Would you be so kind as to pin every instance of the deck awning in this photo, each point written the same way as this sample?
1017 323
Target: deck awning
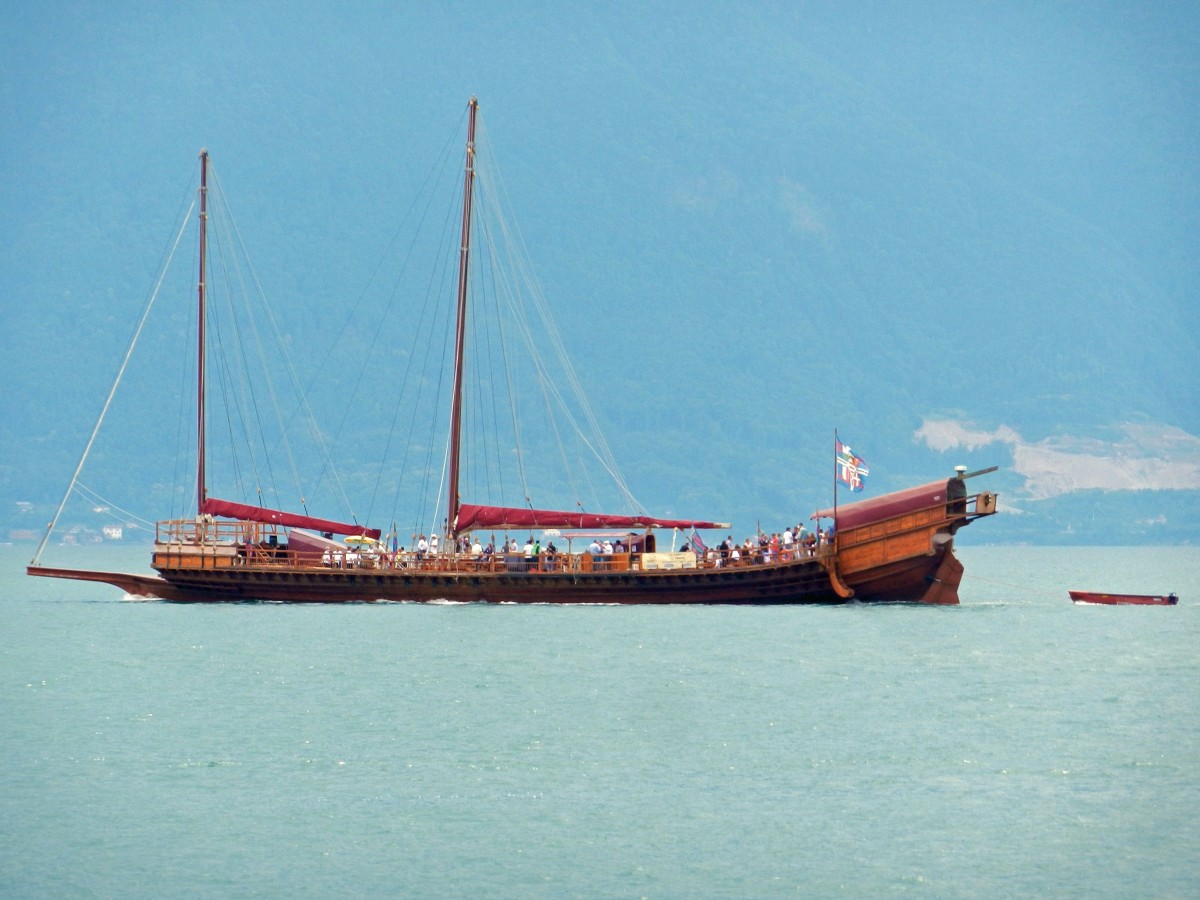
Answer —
472 517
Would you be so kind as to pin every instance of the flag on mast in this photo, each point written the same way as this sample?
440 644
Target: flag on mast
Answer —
851 469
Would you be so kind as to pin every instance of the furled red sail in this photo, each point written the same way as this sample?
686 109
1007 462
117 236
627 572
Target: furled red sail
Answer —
472 517
245 512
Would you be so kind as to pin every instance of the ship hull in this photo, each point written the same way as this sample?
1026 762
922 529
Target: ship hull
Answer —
931 579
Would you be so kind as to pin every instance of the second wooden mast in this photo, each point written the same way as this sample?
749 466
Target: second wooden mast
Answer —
464 257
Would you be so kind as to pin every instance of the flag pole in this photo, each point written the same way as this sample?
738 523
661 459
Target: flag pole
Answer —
835 481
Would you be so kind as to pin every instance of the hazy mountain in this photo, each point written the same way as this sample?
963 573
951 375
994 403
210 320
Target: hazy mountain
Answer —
957 235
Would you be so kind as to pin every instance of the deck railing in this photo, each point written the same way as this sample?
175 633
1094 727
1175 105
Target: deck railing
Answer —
185 543
207 543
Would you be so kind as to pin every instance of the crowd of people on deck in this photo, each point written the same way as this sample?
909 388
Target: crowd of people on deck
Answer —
783 546
427 549
780 546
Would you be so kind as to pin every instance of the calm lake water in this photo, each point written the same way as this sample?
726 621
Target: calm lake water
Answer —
1017 745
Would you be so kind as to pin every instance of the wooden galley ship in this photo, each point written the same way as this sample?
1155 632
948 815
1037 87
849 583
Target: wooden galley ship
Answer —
898 547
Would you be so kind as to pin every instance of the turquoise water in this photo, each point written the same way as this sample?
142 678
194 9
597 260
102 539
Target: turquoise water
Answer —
1015 745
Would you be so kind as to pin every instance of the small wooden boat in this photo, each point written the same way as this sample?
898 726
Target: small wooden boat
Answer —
1123 599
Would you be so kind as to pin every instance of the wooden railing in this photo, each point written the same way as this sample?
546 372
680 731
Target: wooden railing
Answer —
206 543
184 545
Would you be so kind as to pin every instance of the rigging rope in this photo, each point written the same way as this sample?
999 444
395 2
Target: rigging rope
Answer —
222 205
92 497
493 195
113 390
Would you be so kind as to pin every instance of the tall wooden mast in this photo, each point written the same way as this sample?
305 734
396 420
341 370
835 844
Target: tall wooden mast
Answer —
201 488
464 255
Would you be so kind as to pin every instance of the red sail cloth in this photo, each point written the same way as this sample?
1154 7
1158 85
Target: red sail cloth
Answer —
244 511
472 517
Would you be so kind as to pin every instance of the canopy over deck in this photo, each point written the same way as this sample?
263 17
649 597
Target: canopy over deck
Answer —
472 517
